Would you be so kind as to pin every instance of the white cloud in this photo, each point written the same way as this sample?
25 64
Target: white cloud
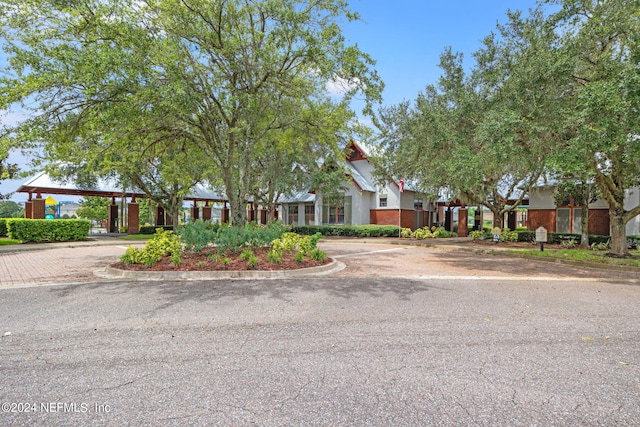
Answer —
11 118
339 86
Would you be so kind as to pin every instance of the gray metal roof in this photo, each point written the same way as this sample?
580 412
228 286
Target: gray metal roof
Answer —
301 196
44 184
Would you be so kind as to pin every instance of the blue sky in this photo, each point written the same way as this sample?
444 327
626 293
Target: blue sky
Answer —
406 38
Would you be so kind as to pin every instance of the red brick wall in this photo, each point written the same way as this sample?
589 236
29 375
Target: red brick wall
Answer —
542 217
463 219
390 217
599 222
133 218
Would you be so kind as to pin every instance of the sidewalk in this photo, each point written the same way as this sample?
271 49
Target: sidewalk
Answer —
54 263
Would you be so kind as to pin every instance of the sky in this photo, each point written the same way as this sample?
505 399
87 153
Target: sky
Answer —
405 38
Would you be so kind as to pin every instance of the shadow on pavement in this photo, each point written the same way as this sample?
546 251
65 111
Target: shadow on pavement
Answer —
178 292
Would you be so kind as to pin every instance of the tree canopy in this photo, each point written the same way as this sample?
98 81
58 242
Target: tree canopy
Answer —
224 82
484 135
602 40
554 93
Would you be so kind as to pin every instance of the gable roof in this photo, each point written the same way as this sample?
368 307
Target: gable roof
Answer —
359 179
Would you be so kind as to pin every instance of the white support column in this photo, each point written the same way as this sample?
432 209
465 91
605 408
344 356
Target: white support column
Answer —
318 210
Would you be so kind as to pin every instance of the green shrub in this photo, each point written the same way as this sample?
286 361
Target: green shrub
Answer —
558 238
476 234
176 258
507 235
47 230
197 235
163 243
274 256
370 230
251 235
151 229
601 246
432 233
527 236
3 227
305 246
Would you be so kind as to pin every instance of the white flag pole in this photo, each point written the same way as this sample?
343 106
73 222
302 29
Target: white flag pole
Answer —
401 188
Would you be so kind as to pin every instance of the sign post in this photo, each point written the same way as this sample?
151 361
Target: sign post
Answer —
541 237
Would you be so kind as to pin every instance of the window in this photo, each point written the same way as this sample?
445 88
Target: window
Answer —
383 201
563 221
568 220
577 221
293 215
309 214
339 213
417 204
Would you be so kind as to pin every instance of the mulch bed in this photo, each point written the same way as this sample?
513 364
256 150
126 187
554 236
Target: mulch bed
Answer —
203 261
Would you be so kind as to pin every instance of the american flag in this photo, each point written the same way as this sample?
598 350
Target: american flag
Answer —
401 185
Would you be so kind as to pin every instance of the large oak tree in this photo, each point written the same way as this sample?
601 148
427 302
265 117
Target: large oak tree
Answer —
602 39
482 135
217 78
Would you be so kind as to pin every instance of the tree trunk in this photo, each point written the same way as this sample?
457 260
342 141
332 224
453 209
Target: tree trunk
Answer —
618 233
584 240
238 212
498 220
272 213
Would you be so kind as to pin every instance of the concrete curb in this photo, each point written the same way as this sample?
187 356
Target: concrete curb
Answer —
115 273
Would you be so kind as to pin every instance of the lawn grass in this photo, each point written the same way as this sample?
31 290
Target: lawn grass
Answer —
584 255
136 237
7 241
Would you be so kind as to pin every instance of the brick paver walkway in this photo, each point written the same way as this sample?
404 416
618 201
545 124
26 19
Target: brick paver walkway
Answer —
375 259
52 266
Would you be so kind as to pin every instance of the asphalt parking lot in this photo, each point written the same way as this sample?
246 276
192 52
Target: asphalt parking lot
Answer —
400 336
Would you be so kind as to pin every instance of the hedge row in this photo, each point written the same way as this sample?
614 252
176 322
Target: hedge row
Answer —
348 230
530 236
3 227
51 230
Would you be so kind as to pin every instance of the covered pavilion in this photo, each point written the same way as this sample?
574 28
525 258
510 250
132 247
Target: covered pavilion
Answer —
43 184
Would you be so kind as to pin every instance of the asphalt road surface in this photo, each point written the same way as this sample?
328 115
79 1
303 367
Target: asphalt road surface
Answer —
401 336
